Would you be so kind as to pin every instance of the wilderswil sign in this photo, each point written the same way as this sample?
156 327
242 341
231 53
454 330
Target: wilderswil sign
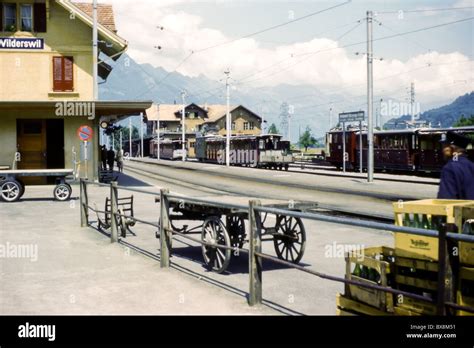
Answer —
11 43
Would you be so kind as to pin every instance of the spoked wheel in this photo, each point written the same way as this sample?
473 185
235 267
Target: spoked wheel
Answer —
236 227
290 238
62 192
214 232
11 190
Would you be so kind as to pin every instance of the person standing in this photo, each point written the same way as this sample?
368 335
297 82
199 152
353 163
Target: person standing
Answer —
103 157
119 160
111 159
457 176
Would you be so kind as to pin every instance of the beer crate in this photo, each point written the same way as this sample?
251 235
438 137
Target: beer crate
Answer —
421 274
378 261
465 294
411 306
466 250
348 306
429 214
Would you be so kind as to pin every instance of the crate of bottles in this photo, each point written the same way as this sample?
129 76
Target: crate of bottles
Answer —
409 306
427 214
465 294
420 274
372 266
466 250
347 306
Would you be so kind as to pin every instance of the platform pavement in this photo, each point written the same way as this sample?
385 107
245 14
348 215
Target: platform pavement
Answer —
78 270
387 189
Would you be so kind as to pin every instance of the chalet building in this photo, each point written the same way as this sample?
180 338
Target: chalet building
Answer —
46 89
202 119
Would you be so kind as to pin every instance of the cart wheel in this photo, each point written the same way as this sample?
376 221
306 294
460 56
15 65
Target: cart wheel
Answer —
290 238
214 231
62 192
22 188
11 190
287 166
236 226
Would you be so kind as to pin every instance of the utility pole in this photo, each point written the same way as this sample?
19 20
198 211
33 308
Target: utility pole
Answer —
330 118
121 141
95 51
370 96
141 134
412 102
130 137
183 126
228 120
158 138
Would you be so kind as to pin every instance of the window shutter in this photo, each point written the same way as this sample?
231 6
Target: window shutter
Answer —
68 73
57 74
39 17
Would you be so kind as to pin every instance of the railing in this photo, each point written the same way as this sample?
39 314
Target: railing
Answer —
446 235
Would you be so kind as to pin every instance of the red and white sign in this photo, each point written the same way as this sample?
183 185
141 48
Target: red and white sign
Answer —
84 133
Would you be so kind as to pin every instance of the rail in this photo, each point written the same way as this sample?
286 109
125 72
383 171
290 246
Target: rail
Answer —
446 235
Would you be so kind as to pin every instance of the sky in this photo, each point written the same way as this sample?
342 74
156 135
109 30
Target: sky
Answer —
194 39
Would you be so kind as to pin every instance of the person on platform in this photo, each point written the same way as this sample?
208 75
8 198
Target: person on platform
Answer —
111 158
103 157
119 160
457 176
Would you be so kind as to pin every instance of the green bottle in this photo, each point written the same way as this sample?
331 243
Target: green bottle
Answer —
365 272
357 271
416 221
372 274
406 220
425 223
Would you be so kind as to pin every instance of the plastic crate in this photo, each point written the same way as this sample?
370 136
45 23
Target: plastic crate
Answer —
370 258
429 212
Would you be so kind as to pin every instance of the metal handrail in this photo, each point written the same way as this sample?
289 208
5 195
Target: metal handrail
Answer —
254 208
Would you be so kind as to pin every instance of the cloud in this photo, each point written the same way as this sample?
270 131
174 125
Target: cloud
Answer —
320 62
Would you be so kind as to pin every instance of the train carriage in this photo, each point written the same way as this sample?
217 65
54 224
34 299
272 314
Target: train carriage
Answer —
410 150
169 149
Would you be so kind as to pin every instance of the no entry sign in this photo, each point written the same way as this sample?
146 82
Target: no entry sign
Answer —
84 133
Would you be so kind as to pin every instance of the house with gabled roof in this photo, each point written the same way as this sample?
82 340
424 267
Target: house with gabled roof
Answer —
202 119
46 89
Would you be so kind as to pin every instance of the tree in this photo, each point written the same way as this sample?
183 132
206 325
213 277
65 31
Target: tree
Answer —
463 121
273 129
307 139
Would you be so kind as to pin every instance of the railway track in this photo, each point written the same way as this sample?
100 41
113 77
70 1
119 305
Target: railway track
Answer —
210 188
306 166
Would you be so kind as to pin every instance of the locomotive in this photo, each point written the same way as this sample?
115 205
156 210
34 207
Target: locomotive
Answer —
416 150
260 151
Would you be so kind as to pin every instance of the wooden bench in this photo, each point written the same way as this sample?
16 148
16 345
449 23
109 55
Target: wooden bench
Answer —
124 221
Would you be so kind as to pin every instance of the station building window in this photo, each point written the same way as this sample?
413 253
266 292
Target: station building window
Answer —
63 75
9 17
26 13
27 17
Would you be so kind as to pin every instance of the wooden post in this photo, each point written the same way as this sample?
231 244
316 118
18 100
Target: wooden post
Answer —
446 262
114 211
255 262
165 238
84 202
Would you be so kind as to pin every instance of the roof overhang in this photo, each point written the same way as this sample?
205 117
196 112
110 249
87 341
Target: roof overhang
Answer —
111 110
112 45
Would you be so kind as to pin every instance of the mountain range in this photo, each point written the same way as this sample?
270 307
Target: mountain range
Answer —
133 81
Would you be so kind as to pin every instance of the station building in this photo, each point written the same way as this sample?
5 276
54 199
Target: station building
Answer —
202 119
46 88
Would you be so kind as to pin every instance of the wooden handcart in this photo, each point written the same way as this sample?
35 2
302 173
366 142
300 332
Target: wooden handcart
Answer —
227 227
